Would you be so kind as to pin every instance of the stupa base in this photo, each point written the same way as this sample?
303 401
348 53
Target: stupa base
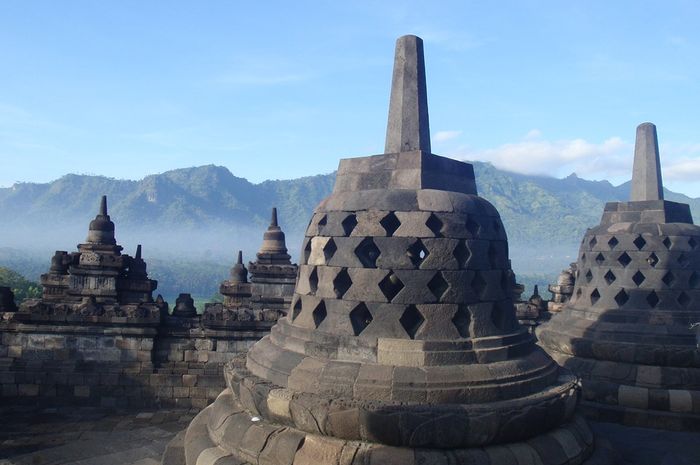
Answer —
226 434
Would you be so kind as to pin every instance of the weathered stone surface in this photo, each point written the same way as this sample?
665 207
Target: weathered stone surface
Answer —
402 335
625 327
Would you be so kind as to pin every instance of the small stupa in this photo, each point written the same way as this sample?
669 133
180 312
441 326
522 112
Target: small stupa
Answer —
97 281
401 344
626 330
266 295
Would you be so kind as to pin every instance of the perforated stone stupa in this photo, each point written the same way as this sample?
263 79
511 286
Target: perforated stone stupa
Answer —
401 345
626 330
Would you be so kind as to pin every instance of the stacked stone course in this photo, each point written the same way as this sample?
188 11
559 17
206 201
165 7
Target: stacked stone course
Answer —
97 336
401 343
627 329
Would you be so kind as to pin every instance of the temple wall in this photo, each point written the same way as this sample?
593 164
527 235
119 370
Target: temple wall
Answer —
116 366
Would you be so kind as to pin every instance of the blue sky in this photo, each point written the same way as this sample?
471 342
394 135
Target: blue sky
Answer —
286 89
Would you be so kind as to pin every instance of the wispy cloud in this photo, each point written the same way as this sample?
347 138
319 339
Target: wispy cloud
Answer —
263 71
443 136
534 155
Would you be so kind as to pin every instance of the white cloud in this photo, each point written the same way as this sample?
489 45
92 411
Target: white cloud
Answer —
685 169
258 70
533 134
442 136
532 155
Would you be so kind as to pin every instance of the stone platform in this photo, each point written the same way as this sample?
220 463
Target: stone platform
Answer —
96 436
87 435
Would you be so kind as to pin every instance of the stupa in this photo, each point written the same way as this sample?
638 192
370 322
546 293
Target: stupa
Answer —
267 295
98 280
401 344
626 330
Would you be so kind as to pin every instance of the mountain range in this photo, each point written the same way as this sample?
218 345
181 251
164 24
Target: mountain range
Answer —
205 211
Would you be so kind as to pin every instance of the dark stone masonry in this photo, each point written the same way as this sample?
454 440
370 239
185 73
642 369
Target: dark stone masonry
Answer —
97 336
401 338
627 329
401 345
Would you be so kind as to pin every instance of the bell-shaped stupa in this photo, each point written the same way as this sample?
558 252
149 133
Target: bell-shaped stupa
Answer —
401 345
626 330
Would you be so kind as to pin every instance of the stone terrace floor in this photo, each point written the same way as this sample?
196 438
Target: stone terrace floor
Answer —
95 436
87 436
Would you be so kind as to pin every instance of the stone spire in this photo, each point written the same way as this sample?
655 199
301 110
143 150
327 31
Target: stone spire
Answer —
138 252
646 174
239 273
273 246
401 339
408 129
101 228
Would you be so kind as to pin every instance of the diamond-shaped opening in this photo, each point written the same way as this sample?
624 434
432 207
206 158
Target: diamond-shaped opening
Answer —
595 295
639 242
390 286
329 249
322 222
609 277
360 318
411 320
669 278
652 299
613 242
502 315
683 260
638 278
341 283
367 252
438 286
296 309
434 224
462 253
600 258
621 298
693 280
390 223
592 243
319 314
578 293
417 252
472 226
583 257
349 223
461 321
652 259
313 281
683 299
505 281
667 243
307 251
624 259
589 276
693 243
478 284
493 255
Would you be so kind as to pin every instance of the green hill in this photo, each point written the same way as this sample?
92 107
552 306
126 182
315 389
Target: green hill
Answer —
192 220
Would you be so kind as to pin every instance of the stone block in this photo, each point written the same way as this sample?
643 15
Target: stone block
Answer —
633 396
28 390
318 450
680 400
189 380
81 391
9 390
